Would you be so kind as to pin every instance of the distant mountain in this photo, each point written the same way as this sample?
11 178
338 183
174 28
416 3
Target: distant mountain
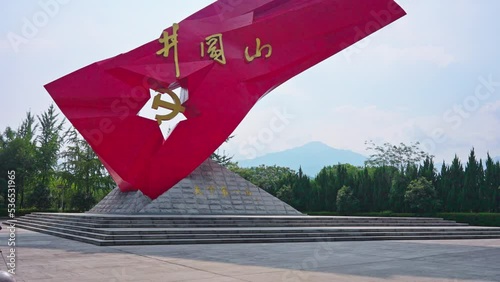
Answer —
312 157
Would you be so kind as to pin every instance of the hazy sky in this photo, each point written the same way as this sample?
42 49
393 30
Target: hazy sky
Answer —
433 76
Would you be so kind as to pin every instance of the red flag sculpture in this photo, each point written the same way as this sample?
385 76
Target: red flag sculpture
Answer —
224 58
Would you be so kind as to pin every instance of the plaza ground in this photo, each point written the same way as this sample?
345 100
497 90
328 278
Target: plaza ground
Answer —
43 257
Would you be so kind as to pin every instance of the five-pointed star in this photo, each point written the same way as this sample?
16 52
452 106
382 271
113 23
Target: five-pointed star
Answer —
148 112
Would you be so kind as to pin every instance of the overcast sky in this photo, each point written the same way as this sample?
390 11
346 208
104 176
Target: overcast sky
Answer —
433 76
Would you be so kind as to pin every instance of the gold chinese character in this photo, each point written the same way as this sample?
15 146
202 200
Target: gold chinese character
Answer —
176 107
211 189
197 190
259 51
224 191
248 192
215 48
169 42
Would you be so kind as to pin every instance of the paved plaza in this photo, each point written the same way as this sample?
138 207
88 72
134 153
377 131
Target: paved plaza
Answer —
47 258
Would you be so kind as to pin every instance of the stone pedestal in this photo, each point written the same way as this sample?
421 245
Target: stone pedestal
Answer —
210 190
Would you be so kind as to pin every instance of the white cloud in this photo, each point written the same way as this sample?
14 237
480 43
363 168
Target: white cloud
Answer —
493 107
348 127
432 54
5 46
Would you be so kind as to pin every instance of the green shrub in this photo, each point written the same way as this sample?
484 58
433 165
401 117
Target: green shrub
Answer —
347 203
421 196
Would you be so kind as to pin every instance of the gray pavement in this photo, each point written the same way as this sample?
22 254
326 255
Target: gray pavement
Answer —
42 257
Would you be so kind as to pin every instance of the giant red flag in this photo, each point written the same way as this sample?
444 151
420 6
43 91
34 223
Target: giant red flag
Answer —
224 58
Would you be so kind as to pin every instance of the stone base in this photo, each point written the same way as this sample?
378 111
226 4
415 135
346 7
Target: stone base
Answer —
210 190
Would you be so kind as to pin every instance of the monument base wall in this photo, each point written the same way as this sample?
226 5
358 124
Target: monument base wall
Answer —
209 190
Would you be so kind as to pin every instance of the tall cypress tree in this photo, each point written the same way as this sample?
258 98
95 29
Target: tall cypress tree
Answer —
443 188
302 190
365 186
397 193
490 190
428 171
456 196
472 182
497 184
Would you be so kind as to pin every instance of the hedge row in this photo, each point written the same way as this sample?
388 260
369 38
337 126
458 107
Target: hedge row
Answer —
476 219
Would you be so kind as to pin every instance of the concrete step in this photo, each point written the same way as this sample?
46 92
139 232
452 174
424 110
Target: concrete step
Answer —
260 224
150 241
102 232
172 229
204 219
257 232
158 229
118 231
206 223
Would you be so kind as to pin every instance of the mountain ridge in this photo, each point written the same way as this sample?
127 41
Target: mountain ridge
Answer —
311 157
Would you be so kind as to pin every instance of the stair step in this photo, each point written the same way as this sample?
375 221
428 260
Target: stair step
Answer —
263 224
253 240
158 229
216 233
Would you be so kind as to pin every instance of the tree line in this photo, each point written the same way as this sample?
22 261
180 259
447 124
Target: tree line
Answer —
55 169
397 178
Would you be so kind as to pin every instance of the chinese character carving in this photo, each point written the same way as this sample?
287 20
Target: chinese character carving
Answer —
224 191
197 190
211 189
259 50
169 42
248 192
215 48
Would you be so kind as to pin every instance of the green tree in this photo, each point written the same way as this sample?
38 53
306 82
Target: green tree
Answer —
285 193
324 188
395 155
397 193
347 203
222 158
84 173
40 197
49 141
472 182
301 187
444 189
497 181
421 196
269 178
456 197
364 190
490 192
382 181
428 170
17 152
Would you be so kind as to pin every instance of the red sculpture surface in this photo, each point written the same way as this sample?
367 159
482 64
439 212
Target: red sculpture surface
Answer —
225 57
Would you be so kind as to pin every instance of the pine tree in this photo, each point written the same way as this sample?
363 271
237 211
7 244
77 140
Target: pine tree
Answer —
444 190
497 184
17 152
84 173
49 143
382 181
302 190
428 171
456 196
365 186
472 183
397 192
